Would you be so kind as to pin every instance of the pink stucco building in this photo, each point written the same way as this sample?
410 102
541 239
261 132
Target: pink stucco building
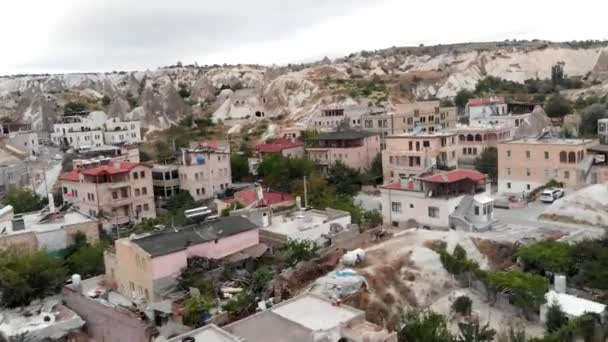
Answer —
146 267
121 191
356 149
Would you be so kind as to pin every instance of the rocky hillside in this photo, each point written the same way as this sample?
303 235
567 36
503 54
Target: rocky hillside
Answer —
244 93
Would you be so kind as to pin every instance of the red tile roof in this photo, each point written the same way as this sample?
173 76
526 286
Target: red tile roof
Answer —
455 176
246 197
110 169
486 101
278 145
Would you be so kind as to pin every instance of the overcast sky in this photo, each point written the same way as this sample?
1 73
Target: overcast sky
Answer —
105 35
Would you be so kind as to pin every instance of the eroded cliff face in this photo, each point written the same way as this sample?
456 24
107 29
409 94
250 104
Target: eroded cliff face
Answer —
241 93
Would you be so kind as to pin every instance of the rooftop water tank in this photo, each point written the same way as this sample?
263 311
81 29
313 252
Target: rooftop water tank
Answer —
200 160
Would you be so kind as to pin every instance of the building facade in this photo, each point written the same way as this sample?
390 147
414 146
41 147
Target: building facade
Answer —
526 164
410 154
473 140
286 147
165 180
356 149
145 267
426 116
457 199
329 119
94 129
119 192
485 107
204 171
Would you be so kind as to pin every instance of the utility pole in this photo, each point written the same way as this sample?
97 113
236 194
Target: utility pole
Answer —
305 194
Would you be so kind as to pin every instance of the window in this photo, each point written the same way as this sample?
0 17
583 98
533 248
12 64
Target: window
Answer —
396 207
411 206
146 207
508 153
546 155
566 174
144 191
65 190
508 171
528 172
114 195
528 154
136 192
138 209
433 212
476 210
508 185
135 175
142 174
464 151
528 186
563 157
571 158
426 143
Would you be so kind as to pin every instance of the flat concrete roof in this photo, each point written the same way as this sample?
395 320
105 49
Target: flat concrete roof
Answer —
549 141
208 333
307 225
315 313
423 135
32 221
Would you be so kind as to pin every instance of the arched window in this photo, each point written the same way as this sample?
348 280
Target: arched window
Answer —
470 137
461 137
563 157
571 157
478 137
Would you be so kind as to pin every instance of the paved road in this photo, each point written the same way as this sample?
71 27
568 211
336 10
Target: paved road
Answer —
524 222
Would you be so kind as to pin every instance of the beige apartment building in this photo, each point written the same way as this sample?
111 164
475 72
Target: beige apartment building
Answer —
426 116
204 170
122 191
526 164
409 154
473 140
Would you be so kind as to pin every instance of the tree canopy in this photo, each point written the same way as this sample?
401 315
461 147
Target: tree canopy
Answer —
527 291
345 179
28 275
548 255
239 167
487 162
557 106
589 117
24 200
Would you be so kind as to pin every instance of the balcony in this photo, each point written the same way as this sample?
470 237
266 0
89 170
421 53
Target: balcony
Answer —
120 219
120 202
118 185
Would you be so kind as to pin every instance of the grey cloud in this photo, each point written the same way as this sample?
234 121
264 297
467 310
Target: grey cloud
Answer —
132 33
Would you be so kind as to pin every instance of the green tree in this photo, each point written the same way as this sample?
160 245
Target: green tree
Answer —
487 162
462 98
556 317
87 260
233 206
24 200
74 107
463 305
548 255
281 172
473 332
195 306
589 117
105 101
164 152
527 291
345 179
260 278
176 205
300 250
425 326
557 106
557 73
239 167
28 275
373 176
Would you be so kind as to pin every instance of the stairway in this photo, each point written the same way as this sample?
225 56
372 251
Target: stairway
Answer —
458 218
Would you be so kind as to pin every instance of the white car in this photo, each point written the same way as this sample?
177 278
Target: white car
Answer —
550 195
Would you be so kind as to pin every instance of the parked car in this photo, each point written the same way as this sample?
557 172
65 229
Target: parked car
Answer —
550 195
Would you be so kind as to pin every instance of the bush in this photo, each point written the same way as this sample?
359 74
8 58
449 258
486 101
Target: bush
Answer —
556 318
548 255
463 305
74 107
300 250
105 101
487 162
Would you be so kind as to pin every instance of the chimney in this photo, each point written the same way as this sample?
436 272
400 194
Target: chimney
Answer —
51 203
